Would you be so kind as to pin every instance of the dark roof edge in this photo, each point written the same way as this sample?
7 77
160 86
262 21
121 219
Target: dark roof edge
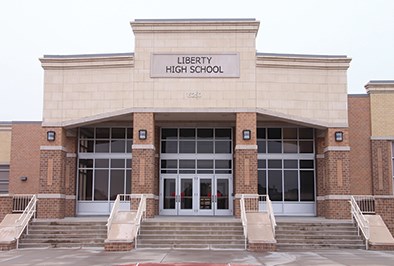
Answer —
381 81
358 95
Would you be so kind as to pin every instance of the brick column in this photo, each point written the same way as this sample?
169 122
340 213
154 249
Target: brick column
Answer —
245 178
144 171
381 167
56 197
333 177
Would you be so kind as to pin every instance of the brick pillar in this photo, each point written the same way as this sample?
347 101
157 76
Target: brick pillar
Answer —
56 197
333 176
245 178
144 178
381 167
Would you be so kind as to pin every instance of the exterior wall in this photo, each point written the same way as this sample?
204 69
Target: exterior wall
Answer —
25 157
144 174
382 167
304 89
5 205
5 143
384 206
360 143
245 158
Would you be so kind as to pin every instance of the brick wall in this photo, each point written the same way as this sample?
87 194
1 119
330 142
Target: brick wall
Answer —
360 143
145 178
334 209
381 167
25 157
51 208
5 206
385 208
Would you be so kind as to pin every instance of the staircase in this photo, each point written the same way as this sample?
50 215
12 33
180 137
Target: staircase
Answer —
292 235
192 233
65 233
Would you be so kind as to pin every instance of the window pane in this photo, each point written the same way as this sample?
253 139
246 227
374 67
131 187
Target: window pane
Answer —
274 133
4 176
102 133
169 133
187 133
187 164
86 133
117 163
261 133
129 146
118 146
223 164
204 146
223 133
306 146
118 133
274 163
129 133
261 163
169 164
290 146
262 185
169 146
128 163
290 133
204 133
206 164
128 181
304 164
222 146
291 164
117 183
85 163
85 184
86 146
274 147
307 186
275 185
306 133
187 147
261 146
102 163
169 194
101 185
291 185
102 146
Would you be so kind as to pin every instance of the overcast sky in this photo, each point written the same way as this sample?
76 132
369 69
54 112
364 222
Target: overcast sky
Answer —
360 29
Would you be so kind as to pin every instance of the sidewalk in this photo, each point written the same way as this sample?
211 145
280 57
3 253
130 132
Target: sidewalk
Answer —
183 257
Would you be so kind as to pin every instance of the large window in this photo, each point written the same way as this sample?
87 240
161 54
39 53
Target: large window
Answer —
286 166
4 178
104 163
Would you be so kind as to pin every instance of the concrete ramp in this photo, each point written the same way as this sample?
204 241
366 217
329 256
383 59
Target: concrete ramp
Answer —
123 227
379 233
8 228
259 228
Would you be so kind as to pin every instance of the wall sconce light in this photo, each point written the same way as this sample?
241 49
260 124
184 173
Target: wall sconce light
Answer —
23 178
142 134
51 135
246 134
339 136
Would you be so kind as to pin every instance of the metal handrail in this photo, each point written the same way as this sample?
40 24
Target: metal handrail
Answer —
141 212
244 219
114 211
271 214
360 219
23 221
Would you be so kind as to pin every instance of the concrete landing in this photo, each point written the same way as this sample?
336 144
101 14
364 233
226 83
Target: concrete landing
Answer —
123 227
8 228
379 233
259 228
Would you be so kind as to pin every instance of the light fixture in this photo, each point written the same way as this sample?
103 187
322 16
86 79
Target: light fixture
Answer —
246 134
339 136
142 134
23 178
51 135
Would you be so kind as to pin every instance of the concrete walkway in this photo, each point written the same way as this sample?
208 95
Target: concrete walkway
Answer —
181 257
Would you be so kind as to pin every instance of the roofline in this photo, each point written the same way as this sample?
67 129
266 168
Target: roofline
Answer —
195 20
89 55
301 55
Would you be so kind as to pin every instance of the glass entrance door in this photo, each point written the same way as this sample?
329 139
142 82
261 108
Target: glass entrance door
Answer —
196 195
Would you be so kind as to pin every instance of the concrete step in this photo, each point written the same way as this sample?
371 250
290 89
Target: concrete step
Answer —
285 247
